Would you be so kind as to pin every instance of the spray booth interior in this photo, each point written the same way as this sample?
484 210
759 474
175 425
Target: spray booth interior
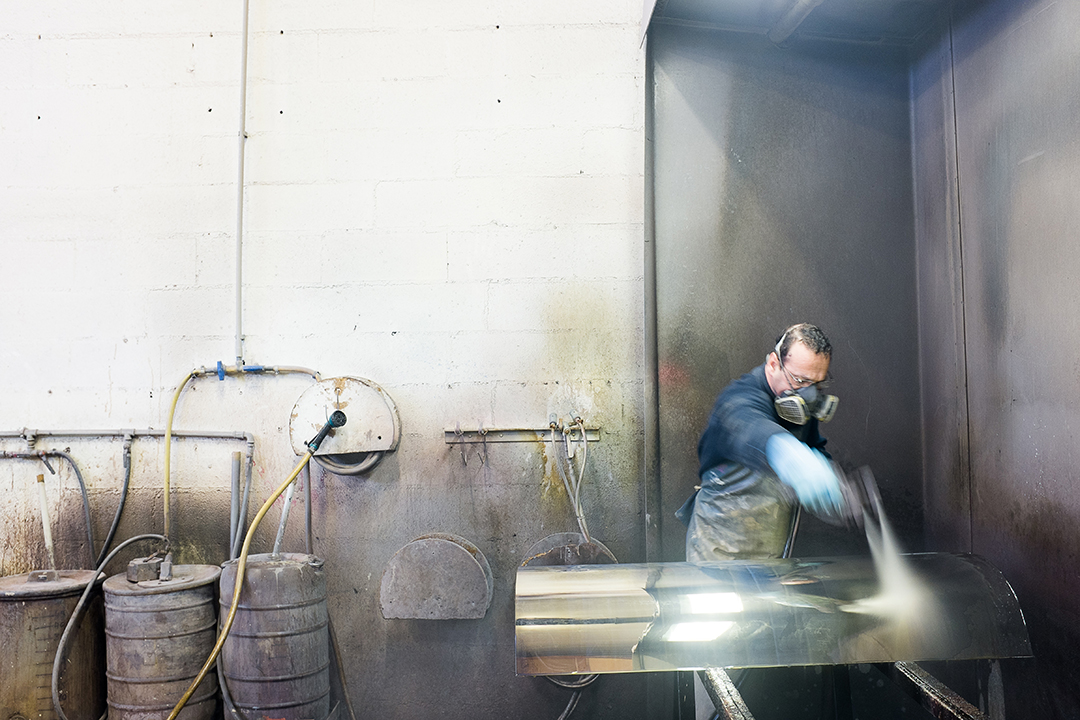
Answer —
894 172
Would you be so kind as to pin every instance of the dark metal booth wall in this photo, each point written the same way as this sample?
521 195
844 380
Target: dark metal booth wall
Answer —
997 148
781 181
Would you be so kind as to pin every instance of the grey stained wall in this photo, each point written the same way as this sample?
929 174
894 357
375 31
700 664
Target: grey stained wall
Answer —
782 183
997 146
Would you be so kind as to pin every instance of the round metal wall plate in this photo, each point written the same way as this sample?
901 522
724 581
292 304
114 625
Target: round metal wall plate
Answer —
372 423
438 576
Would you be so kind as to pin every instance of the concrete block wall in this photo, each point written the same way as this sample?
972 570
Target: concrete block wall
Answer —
446 198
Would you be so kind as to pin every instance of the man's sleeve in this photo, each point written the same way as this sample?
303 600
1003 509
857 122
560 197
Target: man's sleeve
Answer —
740 426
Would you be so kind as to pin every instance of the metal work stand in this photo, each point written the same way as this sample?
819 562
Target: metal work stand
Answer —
933 695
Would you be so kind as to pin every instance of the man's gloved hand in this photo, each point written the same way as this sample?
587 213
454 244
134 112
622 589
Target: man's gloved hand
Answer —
805 471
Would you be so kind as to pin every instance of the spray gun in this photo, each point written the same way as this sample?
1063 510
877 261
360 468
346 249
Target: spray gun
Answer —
861 499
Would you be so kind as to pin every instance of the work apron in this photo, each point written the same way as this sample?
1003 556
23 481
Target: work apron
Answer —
737 514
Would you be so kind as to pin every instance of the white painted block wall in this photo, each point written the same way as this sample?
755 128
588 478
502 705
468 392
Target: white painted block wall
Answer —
446 198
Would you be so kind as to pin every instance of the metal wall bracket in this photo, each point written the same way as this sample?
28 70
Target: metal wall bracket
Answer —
456 436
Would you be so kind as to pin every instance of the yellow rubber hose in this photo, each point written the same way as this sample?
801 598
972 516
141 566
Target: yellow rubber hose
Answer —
241 567
168 447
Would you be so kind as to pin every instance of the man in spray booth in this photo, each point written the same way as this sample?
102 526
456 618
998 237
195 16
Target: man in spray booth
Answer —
761 452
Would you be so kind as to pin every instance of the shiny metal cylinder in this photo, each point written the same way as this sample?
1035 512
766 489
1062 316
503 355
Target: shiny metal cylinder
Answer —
34 610
158 635
763 613
276 659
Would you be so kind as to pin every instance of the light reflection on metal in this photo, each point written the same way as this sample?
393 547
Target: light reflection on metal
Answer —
771 613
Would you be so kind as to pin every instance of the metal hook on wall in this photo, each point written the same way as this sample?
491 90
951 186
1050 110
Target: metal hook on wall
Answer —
483 442
582 442
461 444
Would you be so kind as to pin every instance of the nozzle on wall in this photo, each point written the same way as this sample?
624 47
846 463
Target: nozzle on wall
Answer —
337 419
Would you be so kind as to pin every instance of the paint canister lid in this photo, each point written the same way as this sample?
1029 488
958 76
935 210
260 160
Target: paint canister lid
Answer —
270 561
184 577
44 584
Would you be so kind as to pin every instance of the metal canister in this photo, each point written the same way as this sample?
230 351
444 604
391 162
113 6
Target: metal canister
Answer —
34 610
276 659
159 634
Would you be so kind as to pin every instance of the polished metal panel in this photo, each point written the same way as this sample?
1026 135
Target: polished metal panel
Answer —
682 616
34 610
159 634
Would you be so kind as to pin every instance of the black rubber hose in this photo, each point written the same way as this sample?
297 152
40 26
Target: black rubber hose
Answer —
76 615
123 500
571 705
85 498
340 664
230 707
579 682
234 551
42 455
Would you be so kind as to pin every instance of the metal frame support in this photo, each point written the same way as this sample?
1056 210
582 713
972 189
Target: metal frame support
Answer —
725 696
932 694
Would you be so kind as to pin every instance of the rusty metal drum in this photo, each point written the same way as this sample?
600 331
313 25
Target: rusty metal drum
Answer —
276 659
34 610
159 634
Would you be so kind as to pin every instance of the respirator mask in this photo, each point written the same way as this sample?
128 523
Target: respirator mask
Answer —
798 406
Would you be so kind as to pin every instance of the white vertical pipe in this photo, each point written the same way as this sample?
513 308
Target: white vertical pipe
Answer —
240 192
308 545
234 500
45 521
284 520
